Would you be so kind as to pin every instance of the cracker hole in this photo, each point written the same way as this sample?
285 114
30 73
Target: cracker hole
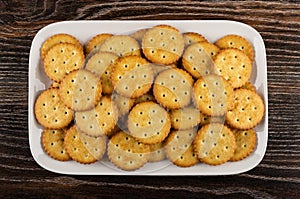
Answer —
125 66
244 145
203 61
230 43
162 83
242 47
52 59
145 76
163 95
218 157
212 53
164 56
175 100
181 157
235 57
161 121
145 135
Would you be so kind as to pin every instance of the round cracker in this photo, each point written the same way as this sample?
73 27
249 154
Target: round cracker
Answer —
50 111
126 153
234 66
237 41
58 39
214 144
122 45
245 141
149 123
132 76
173 88
213 95
163 44
179 148
100 120
61 59
53 144
197 58
248 110
80 90
83 148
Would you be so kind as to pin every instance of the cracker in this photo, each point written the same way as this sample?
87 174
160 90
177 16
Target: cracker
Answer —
185 118
213 95
173 88
163 44
126 153
197 58
248 110
237 41
61 59
245 141
193 37
122 45
101 64
94 43
179 148
50 111
80 90
234 66
157 152
100 120
58 39
132 76
53 144
214 144
83 148
149 123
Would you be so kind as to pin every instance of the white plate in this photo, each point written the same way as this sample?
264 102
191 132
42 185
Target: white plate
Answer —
85 30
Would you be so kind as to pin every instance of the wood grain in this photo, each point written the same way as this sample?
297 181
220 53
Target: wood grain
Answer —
278 175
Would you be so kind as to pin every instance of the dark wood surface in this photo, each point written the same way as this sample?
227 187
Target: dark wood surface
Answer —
277 176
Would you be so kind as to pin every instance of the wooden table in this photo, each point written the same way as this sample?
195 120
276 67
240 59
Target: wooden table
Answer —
277 176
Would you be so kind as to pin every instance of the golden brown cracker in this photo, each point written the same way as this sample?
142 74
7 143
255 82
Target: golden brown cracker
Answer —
126 153
248 111
61 59
100 120
234 66
214 144
83 148
132 76
50 111
53 144
173 88
213 95
179 148
163 44
80 90
149 123
245 142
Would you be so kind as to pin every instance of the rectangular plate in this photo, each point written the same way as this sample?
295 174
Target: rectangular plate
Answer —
85 30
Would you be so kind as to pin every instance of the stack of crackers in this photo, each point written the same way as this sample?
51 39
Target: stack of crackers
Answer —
153 95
